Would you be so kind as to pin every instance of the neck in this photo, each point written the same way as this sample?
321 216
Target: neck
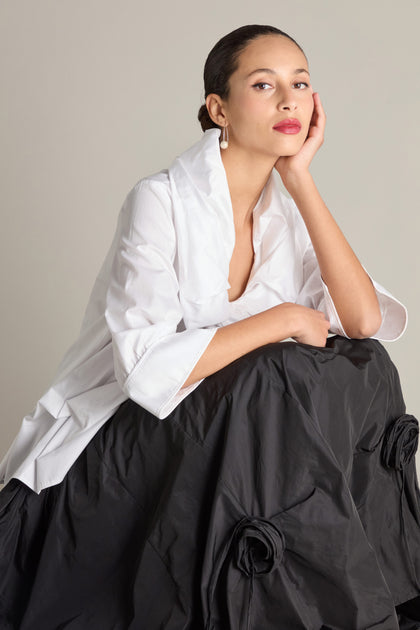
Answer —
246 175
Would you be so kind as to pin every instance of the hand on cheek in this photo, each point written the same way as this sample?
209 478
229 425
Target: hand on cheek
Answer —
298 164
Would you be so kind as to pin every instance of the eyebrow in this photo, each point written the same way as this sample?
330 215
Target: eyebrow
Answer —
270 71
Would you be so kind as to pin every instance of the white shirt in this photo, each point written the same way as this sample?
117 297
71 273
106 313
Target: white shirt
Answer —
159 298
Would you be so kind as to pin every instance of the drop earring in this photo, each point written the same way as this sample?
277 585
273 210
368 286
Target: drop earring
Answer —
225 138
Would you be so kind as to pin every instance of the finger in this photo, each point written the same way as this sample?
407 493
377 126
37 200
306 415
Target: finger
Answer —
317 125
318 106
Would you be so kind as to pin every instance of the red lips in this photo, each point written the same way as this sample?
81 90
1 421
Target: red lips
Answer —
288 123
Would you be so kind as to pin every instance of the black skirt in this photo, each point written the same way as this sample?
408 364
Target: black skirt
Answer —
281 494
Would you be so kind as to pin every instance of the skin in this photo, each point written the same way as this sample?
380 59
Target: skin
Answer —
254 105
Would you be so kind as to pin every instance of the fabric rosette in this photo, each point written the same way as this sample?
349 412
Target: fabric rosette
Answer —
400 442
399 446
259 546
256 546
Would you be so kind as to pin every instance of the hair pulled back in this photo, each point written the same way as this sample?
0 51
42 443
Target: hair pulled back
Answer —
223 61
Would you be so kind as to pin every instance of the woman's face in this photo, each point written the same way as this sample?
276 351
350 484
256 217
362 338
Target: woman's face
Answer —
269 85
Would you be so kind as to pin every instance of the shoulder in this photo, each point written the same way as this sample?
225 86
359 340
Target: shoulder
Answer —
146 212
150 196
155 185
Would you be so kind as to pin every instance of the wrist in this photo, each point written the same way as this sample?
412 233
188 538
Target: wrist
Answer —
288 314
296 181
292 314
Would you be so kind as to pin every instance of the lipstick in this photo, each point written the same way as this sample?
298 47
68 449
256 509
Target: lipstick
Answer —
288 126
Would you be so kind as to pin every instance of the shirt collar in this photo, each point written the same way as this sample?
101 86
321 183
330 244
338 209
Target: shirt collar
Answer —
201 167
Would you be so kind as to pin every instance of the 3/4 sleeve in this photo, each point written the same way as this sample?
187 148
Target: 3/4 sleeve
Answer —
315 294
152 358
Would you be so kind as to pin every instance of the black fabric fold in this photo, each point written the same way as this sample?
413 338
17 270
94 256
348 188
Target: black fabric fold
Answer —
280 494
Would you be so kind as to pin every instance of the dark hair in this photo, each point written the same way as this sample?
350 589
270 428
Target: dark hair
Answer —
222 62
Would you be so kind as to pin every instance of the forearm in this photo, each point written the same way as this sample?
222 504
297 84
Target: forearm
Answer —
349 285
234 340
275 324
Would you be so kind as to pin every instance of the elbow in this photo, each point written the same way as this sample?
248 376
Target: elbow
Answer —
366 327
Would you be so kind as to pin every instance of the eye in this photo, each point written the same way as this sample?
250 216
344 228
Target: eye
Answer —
257 85
263 86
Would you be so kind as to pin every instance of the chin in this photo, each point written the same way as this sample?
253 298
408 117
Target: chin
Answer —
292 143
288 152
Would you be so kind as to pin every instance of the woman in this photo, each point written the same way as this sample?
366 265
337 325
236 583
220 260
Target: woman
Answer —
258 501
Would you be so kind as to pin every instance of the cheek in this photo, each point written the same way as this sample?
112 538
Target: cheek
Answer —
252 106
249 112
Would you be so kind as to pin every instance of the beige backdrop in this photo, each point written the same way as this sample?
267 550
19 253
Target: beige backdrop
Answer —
98 93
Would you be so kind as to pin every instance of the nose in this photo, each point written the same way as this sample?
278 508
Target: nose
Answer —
287 101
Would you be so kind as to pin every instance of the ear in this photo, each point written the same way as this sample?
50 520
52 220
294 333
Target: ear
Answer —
216 109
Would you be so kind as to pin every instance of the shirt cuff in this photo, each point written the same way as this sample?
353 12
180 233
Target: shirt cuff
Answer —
394 314
156 381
